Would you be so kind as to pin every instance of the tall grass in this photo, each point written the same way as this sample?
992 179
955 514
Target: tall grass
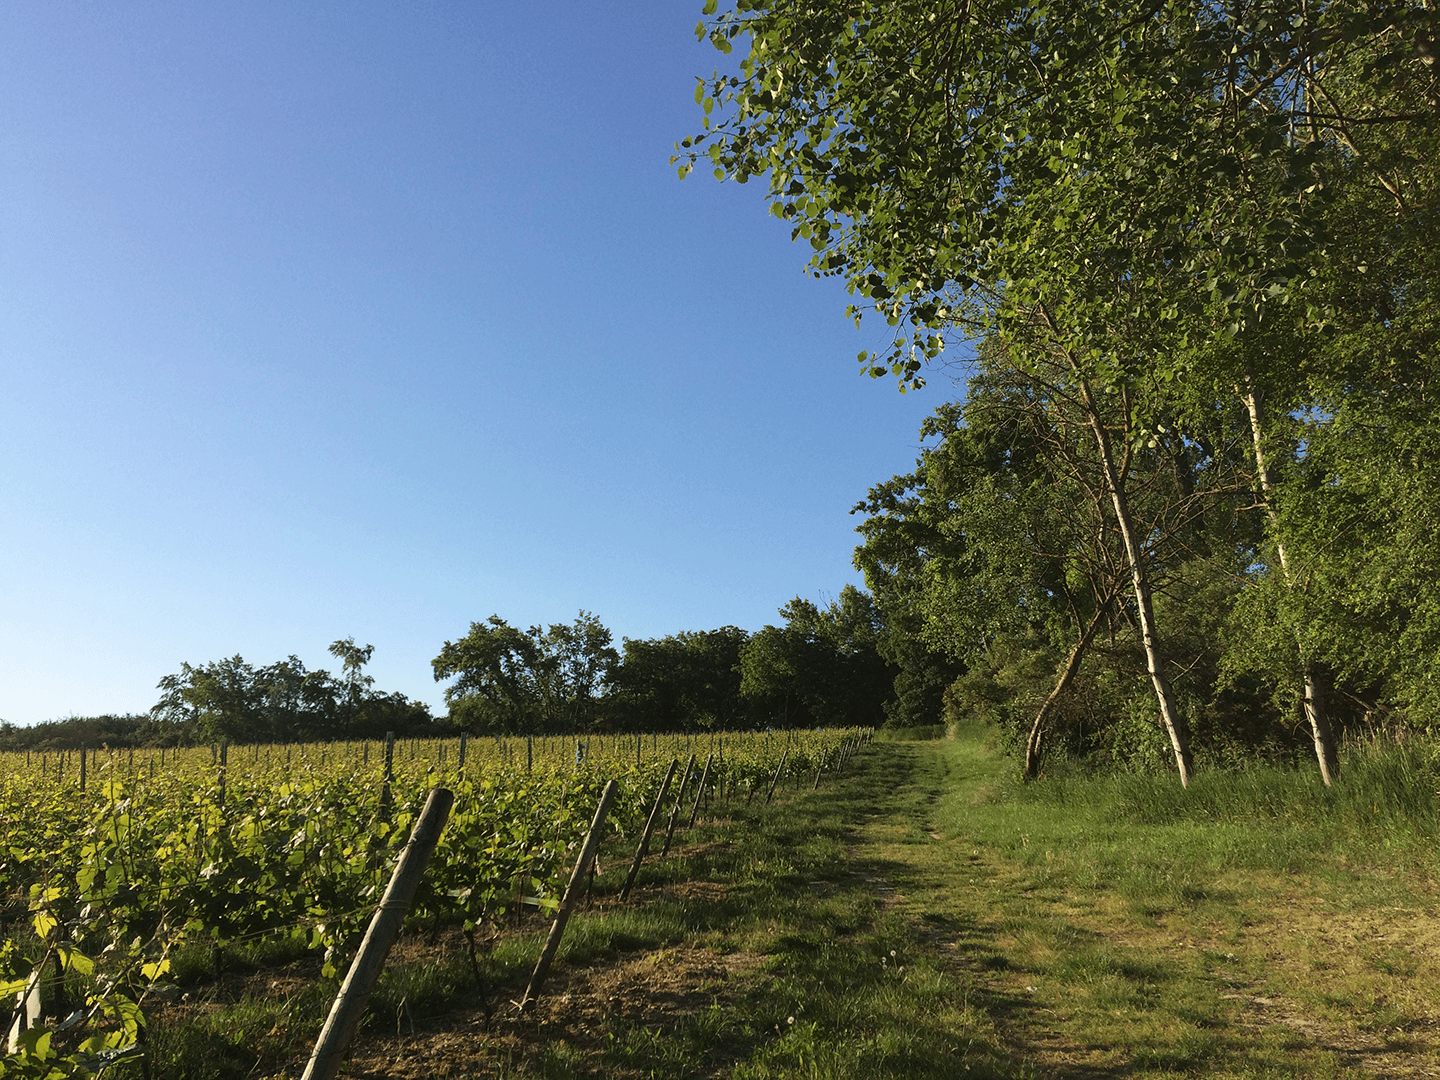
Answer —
1385 786
1143 836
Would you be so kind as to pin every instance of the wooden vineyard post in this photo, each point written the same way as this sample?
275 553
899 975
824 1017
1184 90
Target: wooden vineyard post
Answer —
679 799
572 892
778 770
649 827
700 793
360 980
82 768
463 739
389 775
224 753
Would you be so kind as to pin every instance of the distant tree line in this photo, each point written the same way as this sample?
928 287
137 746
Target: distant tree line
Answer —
233 701
825 665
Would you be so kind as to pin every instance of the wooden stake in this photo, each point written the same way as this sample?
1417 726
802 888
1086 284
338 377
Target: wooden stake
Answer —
224 751
572 893
388 776
778 769
349 1004
679 799
649 827
700 794
27 1010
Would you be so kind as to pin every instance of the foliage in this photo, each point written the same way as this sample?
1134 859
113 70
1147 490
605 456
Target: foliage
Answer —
823 667
74 732
538 680
686 681
232 701
1146 216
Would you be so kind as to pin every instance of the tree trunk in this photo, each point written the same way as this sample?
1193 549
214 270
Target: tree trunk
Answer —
1154 663
1315 710
1072 665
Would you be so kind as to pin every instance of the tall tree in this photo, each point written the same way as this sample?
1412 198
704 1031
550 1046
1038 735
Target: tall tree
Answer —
823 667
685 681
516 681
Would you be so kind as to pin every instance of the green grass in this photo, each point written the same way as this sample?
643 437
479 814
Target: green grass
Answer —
927 915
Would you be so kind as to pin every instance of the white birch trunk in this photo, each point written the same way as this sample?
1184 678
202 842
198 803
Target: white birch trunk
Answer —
1315 711
1154 662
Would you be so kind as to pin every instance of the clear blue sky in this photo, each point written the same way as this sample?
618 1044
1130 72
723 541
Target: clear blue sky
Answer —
374 319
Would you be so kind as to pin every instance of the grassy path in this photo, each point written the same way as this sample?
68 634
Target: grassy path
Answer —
1097 948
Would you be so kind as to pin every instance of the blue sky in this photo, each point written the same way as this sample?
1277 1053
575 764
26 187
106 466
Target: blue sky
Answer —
325 320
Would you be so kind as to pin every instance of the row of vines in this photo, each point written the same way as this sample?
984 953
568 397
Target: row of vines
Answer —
110 861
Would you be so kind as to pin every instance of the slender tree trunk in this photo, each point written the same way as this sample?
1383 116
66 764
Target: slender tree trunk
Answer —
1154 662
1315 710
1072 665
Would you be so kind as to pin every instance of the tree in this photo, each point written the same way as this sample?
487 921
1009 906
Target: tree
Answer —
353 659
234 701
536 680
823 667
685 681
579 663
1007 532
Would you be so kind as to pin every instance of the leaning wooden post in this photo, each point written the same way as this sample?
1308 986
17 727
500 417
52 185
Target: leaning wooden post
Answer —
349 1005
649 828
700 792
572 893
778 770
679 799
224 754
388 776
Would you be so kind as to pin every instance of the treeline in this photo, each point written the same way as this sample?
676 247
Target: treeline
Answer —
1001 552
822 667
234 701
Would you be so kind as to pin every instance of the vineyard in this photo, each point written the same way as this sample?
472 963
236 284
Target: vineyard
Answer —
111 862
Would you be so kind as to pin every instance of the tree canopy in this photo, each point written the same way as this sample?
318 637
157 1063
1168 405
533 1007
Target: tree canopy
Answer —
233 701
1201 239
